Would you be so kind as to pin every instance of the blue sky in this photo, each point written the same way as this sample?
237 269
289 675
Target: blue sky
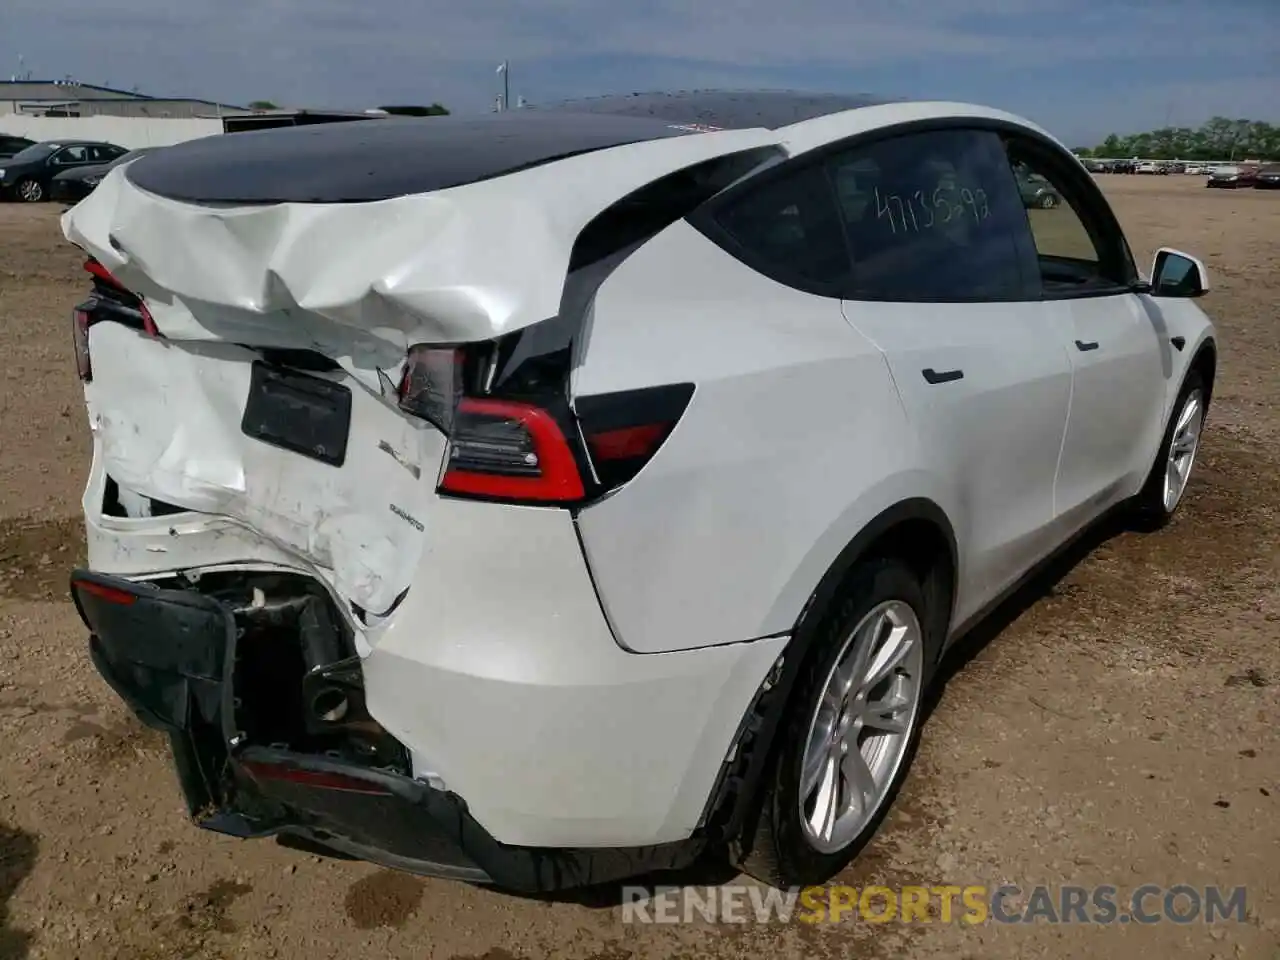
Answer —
1082 68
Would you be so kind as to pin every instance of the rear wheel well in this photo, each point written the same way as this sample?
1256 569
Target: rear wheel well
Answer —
926 550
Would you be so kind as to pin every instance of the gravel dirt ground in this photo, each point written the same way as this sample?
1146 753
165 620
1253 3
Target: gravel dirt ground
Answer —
1115 724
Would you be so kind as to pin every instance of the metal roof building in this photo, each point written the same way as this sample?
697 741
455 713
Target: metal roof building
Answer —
69 98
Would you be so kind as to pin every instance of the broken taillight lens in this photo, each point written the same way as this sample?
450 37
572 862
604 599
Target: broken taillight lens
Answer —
104 278
80 320
431 386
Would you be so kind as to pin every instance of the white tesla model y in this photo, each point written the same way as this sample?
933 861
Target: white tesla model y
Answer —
551 496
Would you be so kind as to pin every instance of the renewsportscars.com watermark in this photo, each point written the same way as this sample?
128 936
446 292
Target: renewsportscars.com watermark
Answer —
973 904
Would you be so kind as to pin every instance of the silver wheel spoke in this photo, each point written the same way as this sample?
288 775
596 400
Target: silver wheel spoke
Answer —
816 758
888 657
861 783
886 714
823 820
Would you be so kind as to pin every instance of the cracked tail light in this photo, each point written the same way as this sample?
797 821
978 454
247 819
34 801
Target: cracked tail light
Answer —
431 385
105 280
80 320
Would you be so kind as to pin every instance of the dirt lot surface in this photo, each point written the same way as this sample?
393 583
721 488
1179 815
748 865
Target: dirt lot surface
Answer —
1117 726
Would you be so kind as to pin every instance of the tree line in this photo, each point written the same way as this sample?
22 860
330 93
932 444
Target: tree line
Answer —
1220 139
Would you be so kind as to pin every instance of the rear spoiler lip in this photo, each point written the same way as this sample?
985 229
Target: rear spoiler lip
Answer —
457 265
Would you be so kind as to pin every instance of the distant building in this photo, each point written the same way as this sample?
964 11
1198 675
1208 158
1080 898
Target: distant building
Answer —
68 98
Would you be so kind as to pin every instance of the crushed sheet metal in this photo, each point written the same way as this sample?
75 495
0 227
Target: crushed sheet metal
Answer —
166 422
361 281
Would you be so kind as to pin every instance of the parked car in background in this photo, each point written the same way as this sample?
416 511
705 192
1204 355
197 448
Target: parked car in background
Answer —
1123 166
1268 177
1231 177
419 526
27 175
72 186
1194 168
1035 190
1095 166
9 145
1149 167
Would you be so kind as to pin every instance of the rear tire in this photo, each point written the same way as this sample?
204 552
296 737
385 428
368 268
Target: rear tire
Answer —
788 843
1167 482
29 190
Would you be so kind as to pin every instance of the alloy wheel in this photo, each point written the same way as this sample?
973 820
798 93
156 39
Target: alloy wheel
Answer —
1182 449
30 191
862 726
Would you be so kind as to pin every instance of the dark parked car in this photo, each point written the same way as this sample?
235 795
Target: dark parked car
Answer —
1268 177
75 184
27 175
1036 190
9 145
1232 177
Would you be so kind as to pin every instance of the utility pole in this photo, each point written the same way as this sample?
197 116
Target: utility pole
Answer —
504 68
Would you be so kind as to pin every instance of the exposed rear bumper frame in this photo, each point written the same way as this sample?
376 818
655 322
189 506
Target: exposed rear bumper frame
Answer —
169 654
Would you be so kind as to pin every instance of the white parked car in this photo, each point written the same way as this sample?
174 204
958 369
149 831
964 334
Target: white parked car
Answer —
550 496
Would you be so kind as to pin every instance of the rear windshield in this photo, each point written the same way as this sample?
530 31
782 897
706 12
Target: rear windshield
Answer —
37 152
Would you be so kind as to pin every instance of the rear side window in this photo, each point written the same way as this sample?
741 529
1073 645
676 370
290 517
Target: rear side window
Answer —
789 229
932 216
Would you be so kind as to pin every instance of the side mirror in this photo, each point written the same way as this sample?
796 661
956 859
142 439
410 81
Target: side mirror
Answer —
1176 274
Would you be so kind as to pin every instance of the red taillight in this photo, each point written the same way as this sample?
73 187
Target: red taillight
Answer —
629 442
509 450
80 340
102 274
521 441
323 779
114 595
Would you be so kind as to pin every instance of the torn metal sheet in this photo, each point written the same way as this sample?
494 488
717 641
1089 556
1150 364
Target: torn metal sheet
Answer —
166 423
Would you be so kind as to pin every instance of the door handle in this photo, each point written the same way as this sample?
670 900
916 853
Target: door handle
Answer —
1083 346
946 376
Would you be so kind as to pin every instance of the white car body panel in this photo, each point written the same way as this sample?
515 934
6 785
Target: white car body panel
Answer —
784 408
992 437
1117 402
483 689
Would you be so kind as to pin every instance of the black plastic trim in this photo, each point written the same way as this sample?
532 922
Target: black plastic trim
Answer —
944 376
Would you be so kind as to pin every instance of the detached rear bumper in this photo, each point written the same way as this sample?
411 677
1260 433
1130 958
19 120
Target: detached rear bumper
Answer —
171 655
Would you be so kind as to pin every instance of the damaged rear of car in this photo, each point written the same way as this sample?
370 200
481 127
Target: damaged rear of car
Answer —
337 463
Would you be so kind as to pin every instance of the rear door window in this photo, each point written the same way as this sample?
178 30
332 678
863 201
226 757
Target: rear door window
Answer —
932 216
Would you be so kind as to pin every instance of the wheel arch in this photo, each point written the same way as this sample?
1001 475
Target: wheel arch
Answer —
915 530
1205 363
